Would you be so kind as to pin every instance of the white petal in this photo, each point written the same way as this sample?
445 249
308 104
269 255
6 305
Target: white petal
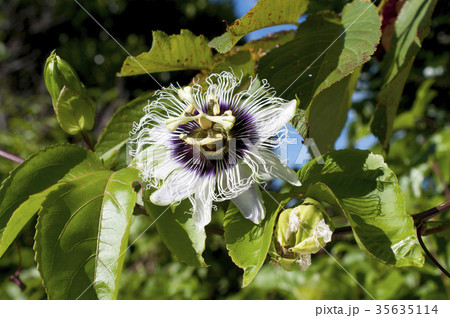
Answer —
178 186
276 168
250 204
271 119
155 162
160 135
322 230
304 260
202 203
233 182
265 165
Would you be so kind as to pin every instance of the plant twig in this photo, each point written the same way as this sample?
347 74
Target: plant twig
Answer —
11 157
424 216
437 229
420 230
87 140
15 278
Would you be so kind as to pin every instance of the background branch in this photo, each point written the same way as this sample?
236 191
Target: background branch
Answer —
15 278
11 157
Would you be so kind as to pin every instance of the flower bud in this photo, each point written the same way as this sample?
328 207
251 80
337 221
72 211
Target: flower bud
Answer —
74 109
300 232
57 74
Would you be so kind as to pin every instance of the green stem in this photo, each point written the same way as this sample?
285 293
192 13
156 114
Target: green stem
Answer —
87 140
381 6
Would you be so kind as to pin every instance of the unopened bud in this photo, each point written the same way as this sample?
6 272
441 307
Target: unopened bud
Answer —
57 74
300 232
74 109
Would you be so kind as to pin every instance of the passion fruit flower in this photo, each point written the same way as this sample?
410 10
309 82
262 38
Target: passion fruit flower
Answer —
213 144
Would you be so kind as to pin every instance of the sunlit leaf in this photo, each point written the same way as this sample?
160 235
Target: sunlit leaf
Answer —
32 181
264 14
115 220
325 50
21 216
184 51
82 235
241 63
248 243
366 190
74 112
268 42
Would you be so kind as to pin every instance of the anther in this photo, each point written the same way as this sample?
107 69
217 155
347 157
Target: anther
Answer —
204 121
186 94
213 104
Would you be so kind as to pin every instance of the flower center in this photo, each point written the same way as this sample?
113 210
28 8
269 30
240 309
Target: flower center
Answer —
213 134
212 137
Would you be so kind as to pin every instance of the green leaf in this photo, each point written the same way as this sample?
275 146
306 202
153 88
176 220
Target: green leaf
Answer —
424 96
74 112
269 42
112 142
327 113
439 145
264 14
324 51
241 63
248 243
178 231
185 51
300 123
39 172
366 190
115 220
82 234
411 27
388 99
21 216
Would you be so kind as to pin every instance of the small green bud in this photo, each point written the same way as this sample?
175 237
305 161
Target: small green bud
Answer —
57 74
74 109
300 232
